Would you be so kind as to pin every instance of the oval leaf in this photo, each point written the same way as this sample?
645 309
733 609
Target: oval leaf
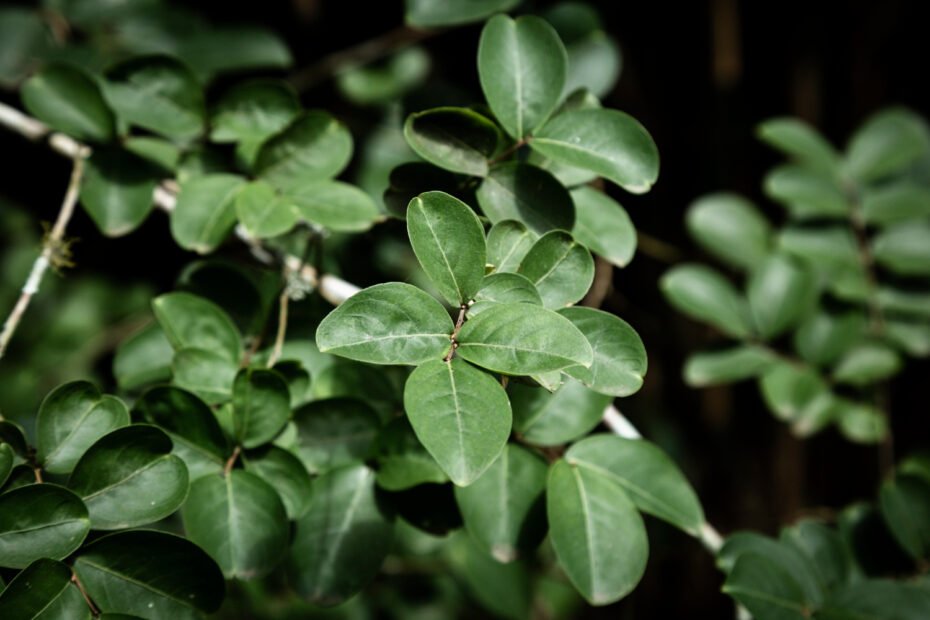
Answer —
552 418
263 212
190 321
206 211
526 193
43 592
40 521
603 226
705 295
335 432
63 97
780 292
286 475
456 139
730 228
619 355
315 146
560 268
117 191
333 204
508 243
261 406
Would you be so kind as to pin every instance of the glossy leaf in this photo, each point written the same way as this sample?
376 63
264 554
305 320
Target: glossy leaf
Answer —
551 419
598 536
522 65
192 321
71 418
129 478
69 101
780 292
240 521
650 478
766 589
40 521
560 268
502 507
391 323
528 194
603 226
730 228
147 573
504 288
263 212
728 365
204 372
705 295
43 591
335 432
206 211
251 112
335 205
608 142
285 474
261 406
341 541
619 355
508 243
523 339
456 139
314 147
403 462
448 240
460 414
117 191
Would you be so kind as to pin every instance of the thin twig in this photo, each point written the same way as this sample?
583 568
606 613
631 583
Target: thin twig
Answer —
513 148
231 460
455 332
52 253
80 586
282 327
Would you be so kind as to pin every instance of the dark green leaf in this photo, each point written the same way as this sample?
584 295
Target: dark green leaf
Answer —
560 268
765 589
43 592
403 462
66 99
409 180
368 383
143 358
387 81
824 548
40 521
24 36
551 419
117 191
192 321
508 243
234 48
603 226
728 365
619 355
261 406
206 211
891 203
314 147
877 598
206 373
785 557
730 228
162 154
435 13
335 432
705 295
6 462
504 589
286 475
457 139
519 191
251 112
905 505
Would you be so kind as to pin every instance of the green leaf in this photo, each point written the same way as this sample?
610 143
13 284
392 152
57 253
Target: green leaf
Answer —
523 192
806 193
504 288
901 302
286 475
727 366
785 557
314 147
40 521
206 211
162 154
192 321
403 462
822 337
598 536
766 589
436 13
390 323
603 226
780 293
568 175
340 542
43 592
502 507
69 101
196 436
24 36
156 93
117 191
904 248
910 338
551 419
460 414
6 462
504 589
877 598
206 373
523 339
905 505
448 241
825 550
71 418
14 435
234 48
860 422
792 392
608 142
150 574
261 406
251 112
619 355
894 202
705 295
240 521
409 180
335 432
129 478
456 139
20 476
385 82
522 65
800 141
887 143
830 251
263 212
333 204
730 228
351 379
508 243
867 362
650 478
560 268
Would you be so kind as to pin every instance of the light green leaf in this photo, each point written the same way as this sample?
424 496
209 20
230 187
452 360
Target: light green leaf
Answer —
129 478
727 366
286 475
887 143
403 462
523 192
806 193
448 240
390 323
830 251
312 148
705 295
909 337
460 414
906 303
508 243
792 392
598 536
608 142
261 406
780 292
456 139
905 505
523 339
40 521
335 432
385 82
904 248
436 13
157 93
894 202
551 419
866 363
800 141
560 268
150 574
603 226
340 542
252 111
766 589
43 592
822 338
205 212
205 372
240 521
263 212
502 508
192 321
730 228
619 355
117 191
504 288
860 422
333 204
69 101
522 65
71 418
650 478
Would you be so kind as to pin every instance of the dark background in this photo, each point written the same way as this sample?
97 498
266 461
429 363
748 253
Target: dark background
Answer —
699 74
